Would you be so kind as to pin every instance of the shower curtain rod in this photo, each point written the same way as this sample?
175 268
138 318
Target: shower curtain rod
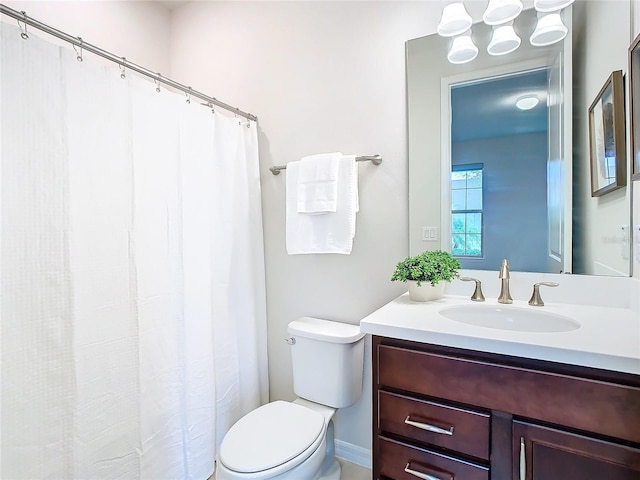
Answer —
122 61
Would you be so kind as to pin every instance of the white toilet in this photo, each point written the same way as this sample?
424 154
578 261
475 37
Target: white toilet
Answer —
294 440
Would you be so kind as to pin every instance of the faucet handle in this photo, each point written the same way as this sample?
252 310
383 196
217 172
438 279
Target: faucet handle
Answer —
536 299
504 269
477 293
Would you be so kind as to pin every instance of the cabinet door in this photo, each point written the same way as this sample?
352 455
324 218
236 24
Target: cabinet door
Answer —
542 453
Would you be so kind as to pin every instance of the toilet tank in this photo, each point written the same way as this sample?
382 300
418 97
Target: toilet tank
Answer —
328 359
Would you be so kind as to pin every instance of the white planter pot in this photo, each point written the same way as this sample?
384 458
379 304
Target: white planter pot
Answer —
425 292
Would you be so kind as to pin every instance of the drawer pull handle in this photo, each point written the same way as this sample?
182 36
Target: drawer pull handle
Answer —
429 428
424 476
523 460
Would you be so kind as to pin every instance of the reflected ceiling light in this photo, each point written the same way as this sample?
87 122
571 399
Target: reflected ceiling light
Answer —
504 40
551 5
463 49
455 20
527 102
549 30
501 11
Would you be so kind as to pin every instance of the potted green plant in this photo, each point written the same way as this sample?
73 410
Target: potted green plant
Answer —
427 273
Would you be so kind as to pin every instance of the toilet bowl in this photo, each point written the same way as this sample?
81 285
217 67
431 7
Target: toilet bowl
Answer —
280 441
294 440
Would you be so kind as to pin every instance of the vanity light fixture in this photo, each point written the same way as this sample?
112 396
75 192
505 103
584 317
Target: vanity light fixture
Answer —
551 5
501 11
500 14
549 30
462 49
527 102
455 20
504 40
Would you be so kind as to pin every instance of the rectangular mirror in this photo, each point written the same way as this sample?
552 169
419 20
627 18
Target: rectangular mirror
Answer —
634 106
497 181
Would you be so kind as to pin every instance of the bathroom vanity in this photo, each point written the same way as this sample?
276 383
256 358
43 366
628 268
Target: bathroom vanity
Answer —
443 410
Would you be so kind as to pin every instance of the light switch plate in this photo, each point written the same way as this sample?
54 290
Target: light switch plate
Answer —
429 234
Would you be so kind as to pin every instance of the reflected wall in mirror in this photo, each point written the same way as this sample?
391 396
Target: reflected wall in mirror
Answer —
499 171
538 212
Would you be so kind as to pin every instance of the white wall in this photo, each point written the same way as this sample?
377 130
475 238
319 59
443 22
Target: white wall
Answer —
136 30
321 76
599 238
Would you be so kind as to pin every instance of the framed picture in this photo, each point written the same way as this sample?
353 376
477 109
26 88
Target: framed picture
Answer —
634 102
607 144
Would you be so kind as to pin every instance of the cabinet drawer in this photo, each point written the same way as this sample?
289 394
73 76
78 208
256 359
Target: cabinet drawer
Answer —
596 406
457 429
396 458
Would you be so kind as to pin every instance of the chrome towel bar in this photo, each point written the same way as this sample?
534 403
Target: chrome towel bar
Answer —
375 159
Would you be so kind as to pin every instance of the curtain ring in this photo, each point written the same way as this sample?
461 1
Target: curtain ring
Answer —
157 80
23 27
123 67
188 94
79 53
213 110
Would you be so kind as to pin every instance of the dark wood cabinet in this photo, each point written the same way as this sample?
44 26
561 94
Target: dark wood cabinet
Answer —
543 453
445 413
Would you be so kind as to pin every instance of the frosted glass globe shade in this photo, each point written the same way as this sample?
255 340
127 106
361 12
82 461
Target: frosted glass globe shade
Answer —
504 40
462 50
501 11
455 20
551 5
549 30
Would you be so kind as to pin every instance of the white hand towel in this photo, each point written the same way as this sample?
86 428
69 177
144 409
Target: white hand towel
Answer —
329 233
318 183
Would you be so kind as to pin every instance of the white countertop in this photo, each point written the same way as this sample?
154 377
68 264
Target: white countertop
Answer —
608 338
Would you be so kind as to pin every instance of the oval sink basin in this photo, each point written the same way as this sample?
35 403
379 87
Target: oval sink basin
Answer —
509 318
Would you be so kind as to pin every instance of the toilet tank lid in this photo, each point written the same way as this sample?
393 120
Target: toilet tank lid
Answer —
325 330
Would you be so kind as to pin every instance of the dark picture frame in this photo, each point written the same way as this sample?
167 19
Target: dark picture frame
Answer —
607 139
634 105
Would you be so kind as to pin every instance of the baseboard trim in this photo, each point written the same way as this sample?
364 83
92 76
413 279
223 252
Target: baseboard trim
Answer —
353 453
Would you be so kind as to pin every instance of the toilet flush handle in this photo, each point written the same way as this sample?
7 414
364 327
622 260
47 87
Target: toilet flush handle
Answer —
290 341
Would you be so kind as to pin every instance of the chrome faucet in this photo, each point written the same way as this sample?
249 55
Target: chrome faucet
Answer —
536 299
477 293
505 295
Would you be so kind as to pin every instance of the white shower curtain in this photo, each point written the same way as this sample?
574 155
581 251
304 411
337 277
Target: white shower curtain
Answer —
133 324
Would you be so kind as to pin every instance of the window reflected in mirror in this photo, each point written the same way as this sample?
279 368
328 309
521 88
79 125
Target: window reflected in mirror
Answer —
466 210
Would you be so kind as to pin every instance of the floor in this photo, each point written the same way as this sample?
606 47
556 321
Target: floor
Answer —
350 471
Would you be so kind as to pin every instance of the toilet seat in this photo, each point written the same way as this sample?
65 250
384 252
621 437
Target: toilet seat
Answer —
275 437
